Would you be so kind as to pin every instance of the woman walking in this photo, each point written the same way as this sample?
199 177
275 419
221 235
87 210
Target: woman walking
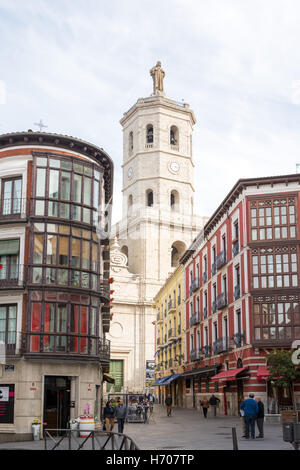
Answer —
109 416
205 405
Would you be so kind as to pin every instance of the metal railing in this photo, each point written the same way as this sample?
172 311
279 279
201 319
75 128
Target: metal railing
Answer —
235 248
222 300
196 355
221 259
238 339
67 439
195 319
13 277
237 292
13 208
220 345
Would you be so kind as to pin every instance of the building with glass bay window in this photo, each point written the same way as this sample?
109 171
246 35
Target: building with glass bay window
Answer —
54 292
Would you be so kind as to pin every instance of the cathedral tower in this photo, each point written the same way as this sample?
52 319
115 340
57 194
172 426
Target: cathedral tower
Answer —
158 221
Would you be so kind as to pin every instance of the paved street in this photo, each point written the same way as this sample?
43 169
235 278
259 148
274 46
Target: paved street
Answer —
188 430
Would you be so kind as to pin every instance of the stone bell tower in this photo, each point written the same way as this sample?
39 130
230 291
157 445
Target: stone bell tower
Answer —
158 221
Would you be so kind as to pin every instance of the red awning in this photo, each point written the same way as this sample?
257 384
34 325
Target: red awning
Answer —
228 374
262 373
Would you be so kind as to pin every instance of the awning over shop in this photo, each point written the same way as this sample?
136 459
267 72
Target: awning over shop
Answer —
108 378
170 379
263 373
158 382
204 371
231 374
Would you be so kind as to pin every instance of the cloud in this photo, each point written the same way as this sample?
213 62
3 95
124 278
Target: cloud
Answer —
80 65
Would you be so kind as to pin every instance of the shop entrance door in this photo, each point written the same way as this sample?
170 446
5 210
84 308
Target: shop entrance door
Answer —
57 402
240 392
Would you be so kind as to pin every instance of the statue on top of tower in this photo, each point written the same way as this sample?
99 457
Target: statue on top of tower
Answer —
158 75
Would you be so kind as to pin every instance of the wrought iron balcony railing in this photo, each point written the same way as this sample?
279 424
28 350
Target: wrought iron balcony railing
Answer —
13 208
196 355
237 292
220 345
235 247
195 319
221 300
238 339
213 269
12 278
206 351
221 259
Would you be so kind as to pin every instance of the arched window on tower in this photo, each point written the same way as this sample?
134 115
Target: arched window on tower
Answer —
149 198
174 201
178 249
130 143
174 137
130 203
149 134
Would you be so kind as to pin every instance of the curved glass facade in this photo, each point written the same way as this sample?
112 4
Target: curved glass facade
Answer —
65 258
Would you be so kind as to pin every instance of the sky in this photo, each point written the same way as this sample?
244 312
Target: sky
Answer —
79 65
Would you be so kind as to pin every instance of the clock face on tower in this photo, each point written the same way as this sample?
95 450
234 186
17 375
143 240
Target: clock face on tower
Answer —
174 167
129 172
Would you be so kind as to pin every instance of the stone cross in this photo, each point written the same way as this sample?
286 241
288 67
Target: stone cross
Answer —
40 125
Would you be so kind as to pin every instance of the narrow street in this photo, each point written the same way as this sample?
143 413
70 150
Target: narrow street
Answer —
186 430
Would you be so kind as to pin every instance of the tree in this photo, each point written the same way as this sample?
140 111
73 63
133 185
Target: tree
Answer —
282 370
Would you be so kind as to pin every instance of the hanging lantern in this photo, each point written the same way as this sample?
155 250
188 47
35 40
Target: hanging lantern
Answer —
111 280
111 292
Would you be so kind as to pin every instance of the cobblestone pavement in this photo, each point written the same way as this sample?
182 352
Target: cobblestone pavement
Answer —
187 430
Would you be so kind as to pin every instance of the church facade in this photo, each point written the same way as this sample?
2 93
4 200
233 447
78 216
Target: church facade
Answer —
157 225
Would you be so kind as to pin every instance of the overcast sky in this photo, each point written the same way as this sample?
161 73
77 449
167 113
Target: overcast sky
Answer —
80 64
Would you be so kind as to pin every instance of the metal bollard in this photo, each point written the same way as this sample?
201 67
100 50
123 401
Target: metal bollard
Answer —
234 439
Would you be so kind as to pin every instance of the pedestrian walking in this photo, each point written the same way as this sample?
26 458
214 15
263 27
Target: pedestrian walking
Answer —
214 402
121 415
168 403
250 409
205 405
242 416
109 416
260 418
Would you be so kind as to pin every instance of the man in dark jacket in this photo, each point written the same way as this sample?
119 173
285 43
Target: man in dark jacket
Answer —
109 416
214 402
260 417
121 415
250 408
168 403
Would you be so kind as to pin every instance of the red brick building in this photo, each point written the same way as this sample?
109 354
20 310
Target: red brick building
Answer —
242 294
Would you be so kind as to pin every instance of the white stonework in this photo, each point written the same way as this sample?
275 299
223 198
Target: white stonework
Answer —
152 229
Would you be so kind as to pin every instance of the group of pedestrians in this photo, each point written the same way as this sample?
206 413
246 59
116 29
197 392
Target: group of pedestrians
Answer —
114 411
252 411
213 402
